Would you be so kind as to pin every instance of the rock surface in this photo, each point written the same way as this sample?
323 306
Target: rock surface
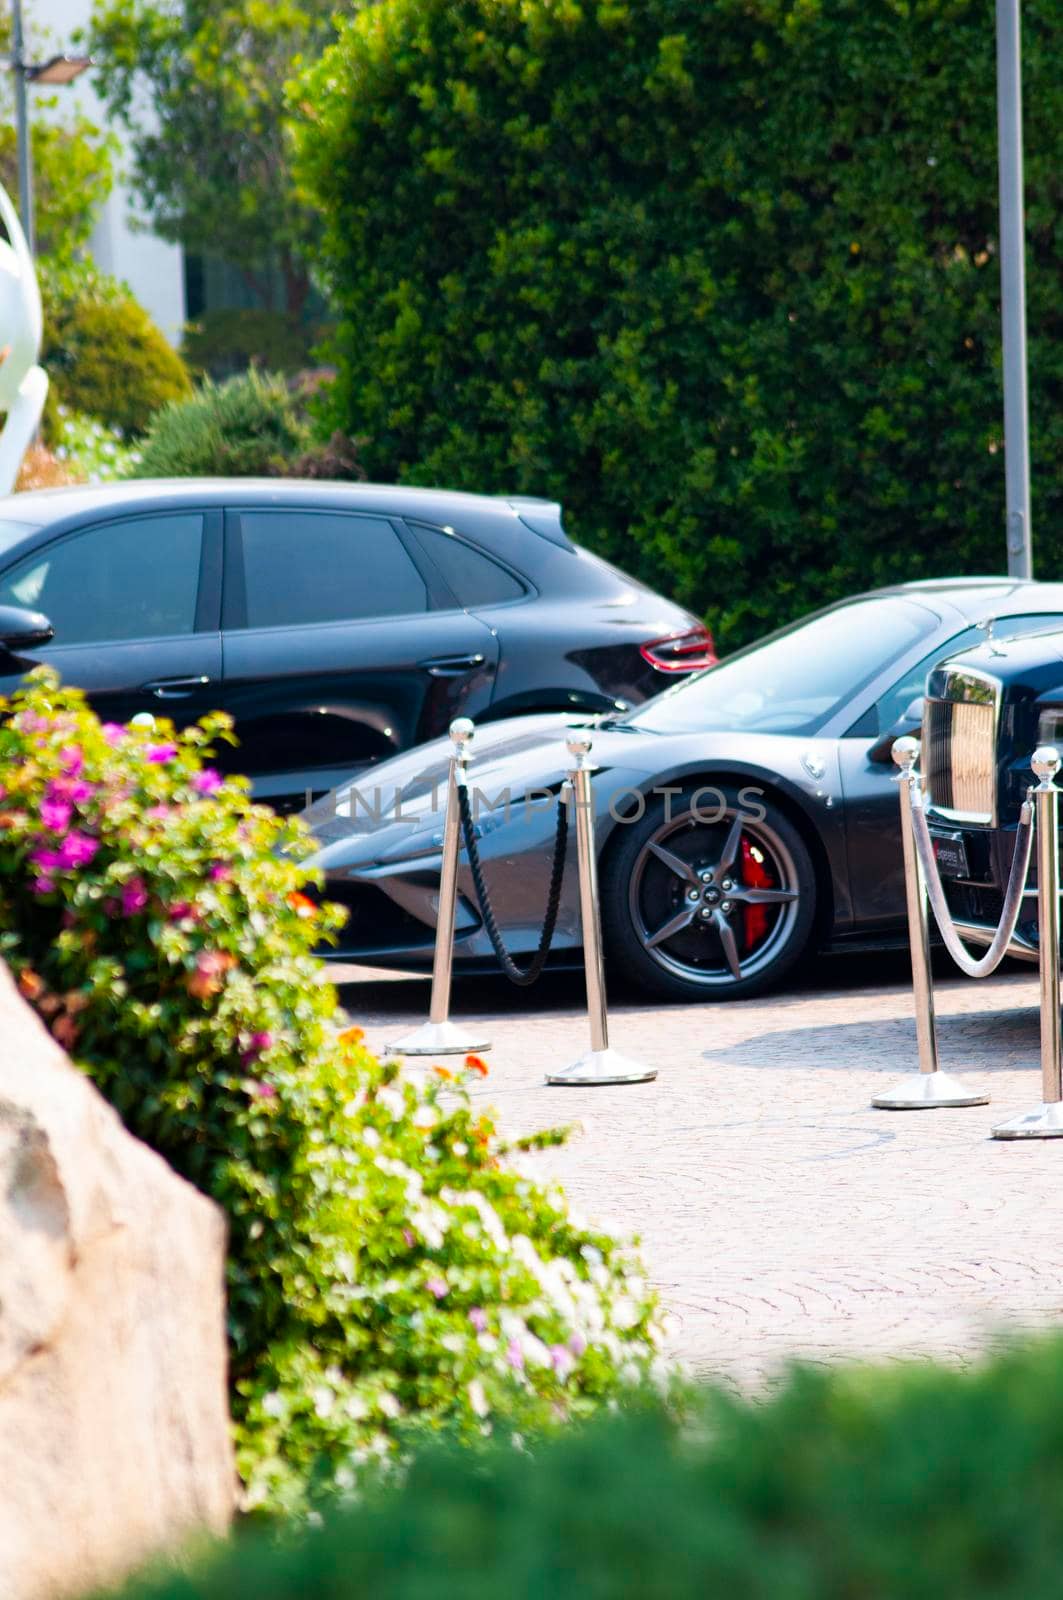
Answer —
114 1424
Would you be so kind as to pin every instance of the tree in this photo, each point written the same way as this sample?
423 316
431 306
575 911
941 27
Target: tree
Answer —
209 159
719 274
72 162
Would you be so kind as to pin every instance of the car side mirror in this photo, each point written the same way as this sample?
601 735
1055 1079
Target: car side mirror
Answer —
909 721
23 630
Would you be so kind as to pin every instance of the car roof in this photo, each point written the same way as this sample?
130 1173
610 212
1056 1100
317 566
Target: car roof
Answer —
979 598
43 506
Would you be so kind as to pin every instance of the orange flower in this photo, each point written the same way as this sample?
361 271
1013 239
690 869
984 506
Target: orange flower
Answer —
209 976
444 1073
352 1036
301 904
30 985
476 1064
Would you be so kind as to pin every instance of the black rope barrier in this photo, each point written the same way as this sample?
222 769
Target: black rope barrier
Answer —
523 976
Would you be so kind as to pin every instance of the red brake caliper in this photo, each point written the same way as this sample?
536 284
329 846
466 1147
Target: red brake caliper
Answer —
756 876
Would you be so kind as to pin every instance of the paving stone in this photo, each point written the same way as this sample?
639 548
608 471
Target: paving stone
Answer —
780 1215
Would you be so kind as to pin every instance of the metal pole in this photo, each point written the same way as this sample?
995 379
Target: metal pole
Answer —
439 1036
1013 290
1046 1121
22 128
600 1064
931 1087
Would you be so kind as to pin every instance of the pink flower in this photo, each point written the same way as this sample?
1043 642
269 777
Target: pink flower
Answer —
438 1287
180 910
112 732
76 850
73 759
207 782
43 885
55 815
562 1360
219 871
259 1090
158 753
515 1355
134 897
71 790
577 1344
159 813
409 1237
259 1042
478 1318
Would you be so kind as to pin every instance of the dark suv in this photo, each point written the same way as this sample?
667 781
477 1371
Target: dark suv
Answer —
338 623
985 713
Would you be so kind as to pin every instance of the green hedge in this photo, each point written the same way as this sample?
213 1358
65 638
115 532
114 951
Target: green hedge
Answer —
914 1483
104 355
720 274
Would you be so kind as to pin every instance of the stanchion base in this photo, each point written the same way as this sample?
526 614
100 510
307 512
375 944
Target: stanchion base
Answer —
603 1066
1044 1122
439 1039
923 1091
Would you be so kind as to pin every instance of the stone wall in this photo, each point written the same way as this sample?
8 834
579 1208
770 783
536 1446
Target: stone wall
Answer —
114 1424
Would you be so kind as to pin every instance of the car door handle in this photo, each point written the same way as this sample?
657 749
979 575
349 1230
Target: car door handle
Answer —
453 666
175 688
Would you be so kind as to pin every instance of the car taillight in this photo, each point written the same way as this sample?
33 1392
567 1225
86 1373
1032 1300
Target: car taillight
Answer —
681 652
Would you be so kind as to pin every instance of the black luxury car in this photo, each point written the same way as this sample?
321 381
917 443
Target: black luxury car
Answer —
743 817
986 711
337 623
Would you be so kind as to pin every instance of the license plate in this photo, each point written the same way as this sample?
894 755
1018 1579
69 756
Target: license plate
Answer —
950 853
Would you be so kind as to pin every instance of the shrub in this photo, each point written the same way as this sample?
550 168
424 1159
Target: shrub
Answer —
104 355
391 1269
250 426
914 1483
93 452
721 275
246 427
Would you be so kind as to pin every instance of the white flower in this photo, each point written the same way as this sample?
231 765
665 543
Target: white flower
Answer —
370 1137
324 1400
477 1398
388 1405
273 1405
424 1117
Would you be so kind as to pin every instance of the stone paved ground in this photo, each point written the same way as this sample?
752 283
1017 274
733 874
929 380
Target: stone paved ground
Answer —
780 1214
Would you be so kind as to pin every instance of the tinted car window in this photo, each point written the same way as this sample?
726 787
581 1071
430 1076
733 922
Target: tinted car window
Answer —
305 567
474 578
895 702
134 579
794 680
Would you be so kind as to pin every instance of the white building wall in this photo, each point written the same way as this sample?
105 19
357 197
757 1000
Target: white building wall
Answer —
153 268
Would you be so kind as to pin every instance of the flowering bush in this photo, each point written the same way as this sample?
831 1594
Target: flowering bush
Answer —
94 452
391 1268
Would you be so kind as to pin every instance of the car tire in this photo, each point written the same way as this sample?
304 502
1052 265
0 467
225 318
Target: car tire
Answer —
710 894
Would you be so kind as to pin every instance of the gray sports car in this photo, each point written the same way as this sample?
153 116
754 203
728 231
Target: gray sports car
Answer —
743 818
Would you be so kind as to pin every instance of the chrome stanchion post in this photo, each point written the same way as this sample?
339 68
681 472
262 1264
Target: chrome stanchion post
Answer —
930 1087
1046 1120
439 1036
601 1064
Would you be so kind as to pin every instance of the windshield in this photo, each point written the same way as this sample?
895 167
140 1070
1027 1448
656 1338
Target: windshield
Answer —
795 679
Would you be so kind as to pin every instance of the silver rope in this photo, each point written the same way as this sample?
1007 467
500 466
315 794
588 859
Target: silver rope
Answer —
1020 866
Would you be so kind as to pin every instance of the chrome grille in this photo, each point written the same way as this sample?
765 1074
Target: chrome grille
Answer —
959 738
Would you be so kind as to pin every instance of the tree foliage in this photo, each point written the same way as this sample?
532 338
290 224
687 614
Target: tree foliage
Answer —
73 159
210 163
720 274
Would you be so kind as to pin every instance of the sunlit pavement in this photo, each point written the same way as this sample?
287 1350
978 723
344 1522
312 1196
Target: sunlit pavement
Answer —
779 1214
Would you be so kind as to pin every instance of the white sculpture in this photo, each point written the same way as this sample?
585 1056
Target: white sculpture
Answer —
23 384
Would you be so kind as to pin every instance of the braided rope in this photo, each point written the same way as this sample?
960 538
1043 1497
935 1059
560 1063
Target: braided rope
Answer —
523 976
